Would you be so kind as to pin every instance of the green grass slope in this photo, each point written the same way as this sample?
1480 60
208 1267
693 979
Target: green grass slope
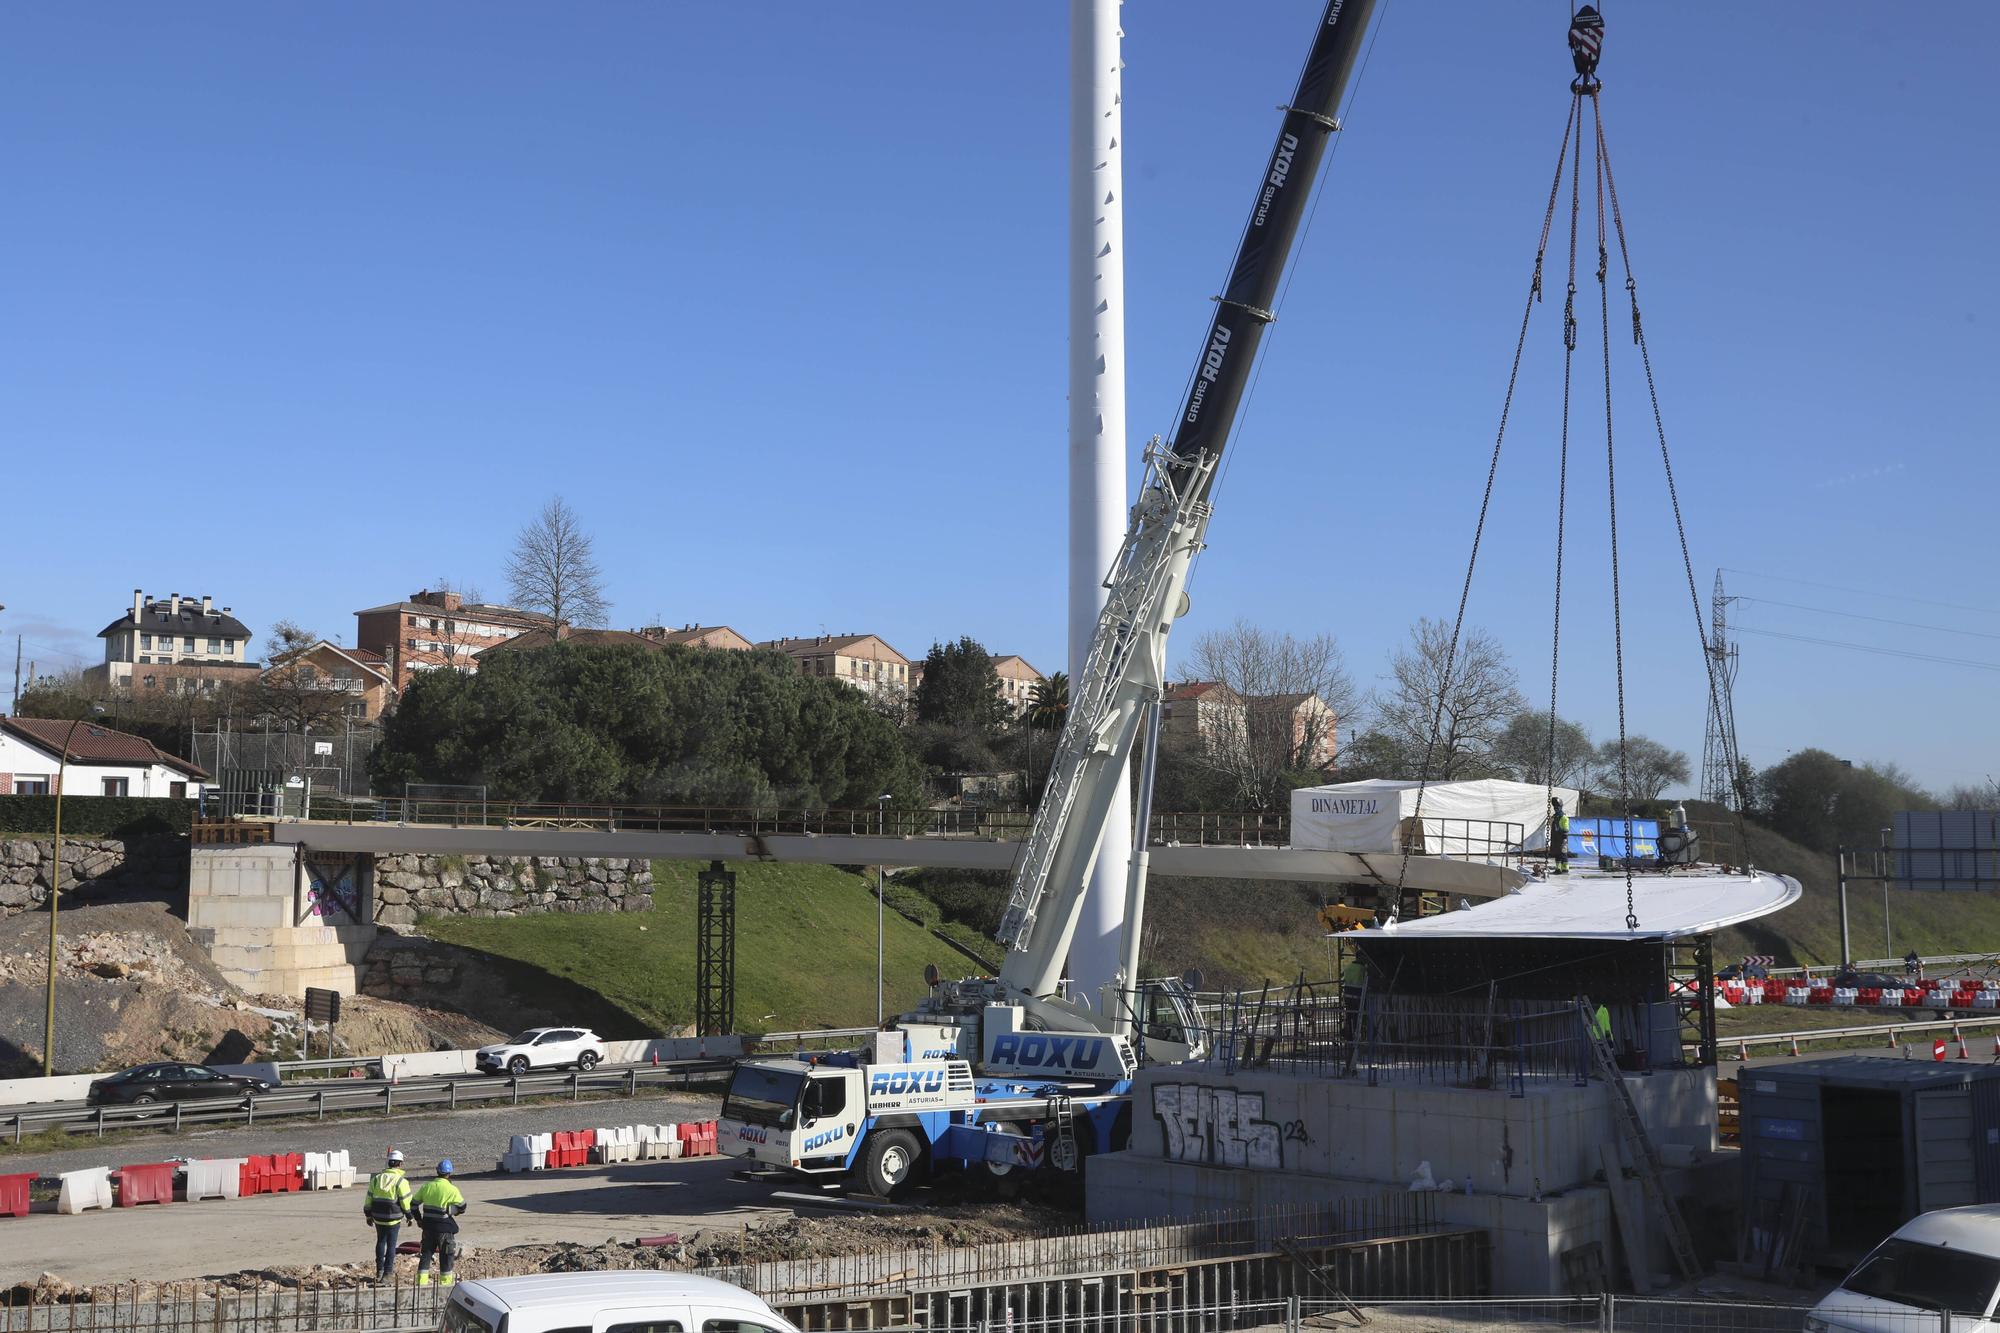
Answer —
805 949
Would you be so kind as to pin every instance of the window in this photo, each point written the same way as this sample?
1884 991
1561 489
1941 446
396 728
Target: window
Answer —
1928 1276
145 659
117 786
735 1326
31 786
458 1319
177 790
413 642
215 645
145 641
648 1326
413 622
187 644
825 1097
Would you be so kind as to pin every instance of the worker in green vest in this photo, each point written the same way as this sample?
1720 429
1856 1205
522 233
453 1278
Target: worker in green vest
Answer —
1559 836
436 1207
1600 1024
386 1207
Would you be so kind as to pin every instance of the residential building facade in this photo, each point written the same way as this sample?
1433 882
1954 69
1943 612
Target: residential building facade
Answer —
102 762
699 636
171 631
1018 679
863 661
359 674
1201 714
434 631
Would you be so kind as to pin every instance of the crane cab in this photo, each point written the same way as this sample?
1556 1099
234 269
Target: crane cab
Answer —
1168 1024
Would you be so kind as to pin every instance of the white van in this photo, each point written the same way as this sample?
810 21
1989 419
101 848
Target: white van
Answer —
607 1303
1947 1260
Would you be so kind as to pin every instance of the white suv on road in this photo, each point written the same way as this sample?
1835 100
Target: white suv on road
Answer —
542 1048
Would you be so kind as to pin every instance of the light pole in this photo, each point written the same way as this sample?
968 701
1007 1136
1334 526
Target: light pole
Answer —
55 893
881 890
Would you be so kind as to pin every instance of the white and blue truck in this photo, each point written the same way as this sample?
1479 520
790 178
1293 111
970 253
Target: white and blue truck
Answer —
1028 1068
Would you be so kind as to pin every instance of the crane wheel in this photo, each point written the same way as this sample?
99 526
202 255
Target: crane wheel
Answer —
890 1163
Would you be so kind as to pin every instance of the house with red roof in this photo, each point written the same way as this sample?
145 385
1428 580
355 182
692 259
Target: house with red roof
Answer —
101 761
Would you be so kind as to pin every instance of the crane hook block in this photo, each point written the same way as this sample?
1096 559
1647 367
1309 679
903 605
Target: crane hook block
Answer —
1586 43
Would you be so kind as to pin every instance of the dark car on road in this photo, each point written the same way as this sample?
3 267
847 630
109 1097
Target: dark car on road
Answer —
173 1082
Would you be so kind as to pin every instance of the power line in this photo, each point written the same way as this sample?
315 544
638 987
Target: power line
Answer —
1862 592
1870 648
1856 615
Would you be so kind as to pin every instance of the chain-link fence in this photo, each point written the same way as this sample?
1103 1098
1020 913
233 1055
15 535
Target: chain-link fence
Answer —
247 763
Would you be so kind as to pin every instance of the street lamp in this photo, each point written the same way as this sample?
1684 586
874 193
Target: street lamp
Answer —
881 830
55 893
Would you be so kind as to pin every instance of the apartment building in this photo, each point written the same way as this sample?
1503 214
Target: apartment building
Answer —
434 631
1018 679
699 636
171 637
359 675
863 661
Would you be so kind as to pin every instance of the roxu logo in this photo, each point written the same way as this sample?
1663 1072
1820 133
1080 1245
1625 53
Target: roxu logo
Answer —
922 1080
1039 1050
818 1141
752 1134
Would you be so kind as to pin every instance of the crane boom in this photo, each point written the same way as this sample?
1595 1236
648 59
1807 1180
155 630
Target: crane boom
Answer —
1125 668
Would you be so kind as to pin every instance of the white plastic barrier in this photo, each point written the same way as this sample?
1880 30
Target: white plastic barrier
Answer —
215 1178
1846 995
329 1170
1796 996
659 1142
88 1188
527 1152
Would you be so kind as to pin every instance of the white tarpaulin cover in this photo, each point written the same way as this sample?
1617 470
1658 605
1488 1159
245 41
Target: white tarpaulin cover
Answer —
1591 905
1460 818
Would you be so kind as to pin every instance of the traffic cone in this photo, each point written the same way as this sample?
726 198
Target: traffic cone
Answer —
1892 1040
1963 1054
1743 1050
656 1056
1795 1045
1937 1049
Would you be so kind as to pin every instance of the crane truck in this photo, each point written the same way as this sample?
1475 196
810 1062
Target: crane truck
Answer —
1016 1071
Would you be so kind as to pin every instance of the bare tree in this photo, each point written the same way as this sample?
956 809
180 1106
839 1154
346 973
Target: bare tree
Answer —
552 569
1523 750
1290 696
1649 766
293 691
1465 698
1972 796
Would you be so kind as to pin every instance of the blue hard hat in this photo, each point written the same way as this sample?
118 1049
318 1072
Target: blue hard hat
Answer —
445 1167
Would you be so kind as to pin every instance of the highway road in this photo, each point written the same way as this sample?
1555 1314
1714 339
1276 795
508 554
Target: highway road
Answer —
318 1098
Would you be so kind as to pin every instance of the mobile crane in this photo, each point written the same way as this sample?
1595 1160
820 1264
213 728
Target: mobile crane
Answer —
1053 1070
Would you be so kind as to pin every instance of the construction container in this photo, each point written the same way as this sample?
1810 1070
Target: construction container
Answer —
1863 1143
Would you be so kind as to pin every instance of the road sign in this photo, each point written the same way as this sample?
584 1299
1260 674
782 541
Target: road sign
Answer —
322 1006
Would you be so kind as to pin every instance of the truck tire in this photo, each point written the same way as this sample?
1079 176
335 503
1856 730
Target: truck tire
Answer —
890 1161
1000 1169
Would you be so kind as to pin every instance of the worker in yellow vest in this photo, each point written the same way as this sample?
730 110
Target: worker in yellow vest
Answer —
386 1207
436 1207
1559 837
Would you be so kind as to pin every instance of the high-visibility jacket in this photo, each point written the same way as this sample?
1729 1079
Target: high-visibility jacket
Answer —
1353 976
437 1205
388 1201
1600 1024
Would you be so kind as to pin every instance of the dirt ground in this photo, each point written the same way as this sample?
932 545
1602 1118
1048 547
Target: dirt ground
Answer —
132 986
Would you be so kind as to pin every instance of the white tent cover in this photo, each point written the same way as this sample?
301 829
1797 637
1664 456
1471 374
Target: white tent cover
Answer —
1460 818
1590 905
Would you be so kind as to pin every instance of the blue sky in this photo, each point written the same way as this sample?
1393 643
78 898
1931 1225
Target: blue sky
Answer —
309 306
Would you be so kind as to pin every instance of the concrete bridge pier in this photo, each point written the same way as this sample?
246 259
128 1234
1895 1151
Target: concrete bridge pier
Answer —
277 919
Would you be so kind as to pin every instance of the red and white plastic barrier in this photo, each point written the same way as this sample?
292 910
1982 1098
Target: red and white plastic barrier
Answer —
1928 994
14 1194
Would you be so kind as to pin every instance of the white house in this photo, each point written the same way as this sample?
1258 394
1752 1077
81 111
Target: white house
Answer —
102 762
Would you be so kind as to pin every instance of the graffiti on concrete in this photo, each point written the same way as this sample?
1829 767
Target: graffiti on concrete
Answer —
1217 1127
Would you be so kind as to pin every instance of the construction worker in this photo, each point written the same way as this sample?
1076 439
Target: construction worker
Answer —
386 1207
1600 1024
1559 836
436 1207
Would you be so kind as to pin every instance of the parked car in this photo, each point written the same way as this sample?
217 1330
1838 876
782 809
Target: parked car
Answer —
1944 1260
173 1082
610 1302
542 1048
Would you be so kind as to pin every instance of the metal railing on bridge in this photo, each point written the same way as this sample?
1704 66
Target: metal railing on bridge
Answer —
1205 828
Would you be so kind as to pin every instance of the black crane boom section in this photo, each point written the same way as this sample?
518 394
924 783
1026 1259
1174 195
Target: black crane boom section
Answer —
1246 304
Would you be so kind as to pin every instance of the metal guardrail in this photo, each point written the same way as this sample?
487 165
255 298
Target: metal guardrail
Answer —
340 1098
1246 829
1806 1036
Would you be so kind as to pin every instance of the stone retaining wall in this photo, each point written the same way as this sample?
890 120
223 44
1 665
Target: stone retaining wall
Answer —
407 886
152 863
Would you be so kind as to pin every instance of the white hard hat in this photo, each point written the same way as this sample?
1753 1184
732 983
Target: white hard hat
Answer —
395 1156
